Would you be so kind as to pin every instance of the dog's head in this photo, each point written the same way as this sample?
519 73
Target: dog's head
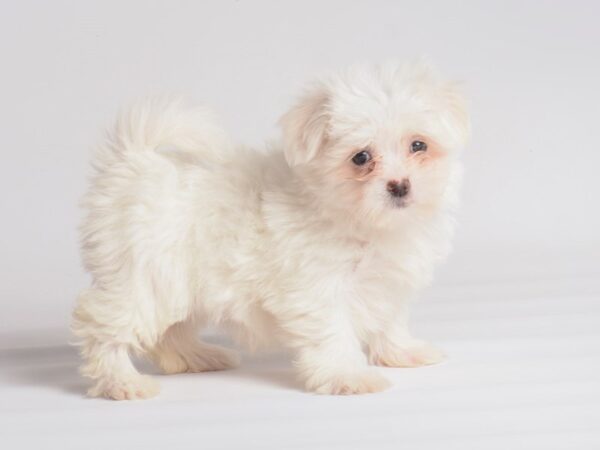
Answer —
379 142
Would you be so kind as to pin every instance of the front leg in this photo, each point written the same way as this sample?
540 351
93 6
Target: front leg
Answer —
329 356
337 367
395 347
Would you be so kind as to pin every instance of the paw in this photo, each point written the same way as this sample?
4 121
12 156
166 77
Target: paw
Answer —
364 381
212 358
127 388
203 358
413 354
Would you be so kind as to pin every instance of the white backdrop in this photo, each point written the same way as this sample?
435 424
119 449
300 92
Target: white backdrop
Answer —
531 70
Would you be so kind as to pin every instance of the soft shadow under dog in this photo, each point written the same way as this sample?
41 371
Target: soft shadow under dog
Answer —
55 367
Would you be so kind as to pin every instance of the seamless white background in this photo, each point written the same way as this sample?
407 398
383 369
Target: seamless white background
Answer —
531 209
530 69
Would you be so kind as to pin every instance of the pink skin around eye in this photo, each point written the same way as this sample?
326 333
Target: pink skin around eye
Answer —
367 171
433 152
357 175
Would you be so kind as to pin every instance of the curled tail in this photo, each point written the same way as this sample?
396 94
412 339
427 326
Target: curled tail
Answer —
158 123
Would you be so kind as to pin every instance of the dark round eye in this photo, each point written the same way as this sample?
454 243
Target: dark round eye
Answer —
418 146
361 158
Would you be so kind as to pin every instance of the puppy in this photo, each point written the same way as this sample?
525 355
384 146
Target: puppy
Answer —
317 245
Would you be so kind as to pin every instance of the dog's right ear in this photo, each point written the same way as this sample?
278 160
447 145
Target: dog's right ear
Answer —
304 127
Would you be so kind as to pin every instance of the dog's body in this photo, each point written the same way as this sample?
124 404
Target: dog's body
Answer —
306 246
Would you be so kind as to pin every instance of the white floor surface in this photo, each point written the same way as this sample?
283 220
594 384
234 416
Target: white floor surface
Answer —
523 373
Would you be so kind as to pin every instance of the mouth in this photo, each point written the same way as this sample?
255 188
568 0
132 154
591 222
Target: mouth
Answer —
400 202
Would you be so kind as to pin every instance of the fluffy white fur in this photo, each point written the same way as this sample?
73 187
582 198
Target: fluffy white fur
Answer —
296 245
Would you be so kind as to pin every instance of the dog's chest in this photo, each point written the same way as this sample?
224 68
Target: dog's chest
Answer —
378 273
370 267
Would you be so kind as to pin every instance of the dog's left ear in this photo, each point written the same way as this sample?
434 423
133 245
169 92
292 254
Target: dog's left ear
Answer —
450 104
304 127
454 114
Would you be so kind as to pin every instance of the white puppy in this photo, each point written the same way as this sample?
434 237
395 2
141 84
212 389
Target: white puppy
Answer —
318 245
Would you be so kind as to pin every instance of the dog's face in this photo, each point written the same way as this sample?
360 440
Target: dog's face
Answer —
380 143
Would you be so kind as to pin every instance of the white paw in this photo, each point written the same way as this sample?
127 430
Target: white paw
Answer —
126 388
212 358
413 354
203 358
364 381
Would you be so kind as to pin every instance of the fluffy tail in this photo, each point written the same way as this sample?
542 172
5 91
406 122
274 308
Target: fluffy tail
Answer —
158 123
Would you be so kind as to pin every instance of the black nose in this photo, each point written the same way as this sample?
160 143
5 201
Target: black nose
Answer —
398 189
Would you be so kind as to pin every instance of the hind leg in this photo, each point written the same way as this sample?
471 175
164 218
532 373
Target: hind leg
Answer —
108 329
180 350
114 375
